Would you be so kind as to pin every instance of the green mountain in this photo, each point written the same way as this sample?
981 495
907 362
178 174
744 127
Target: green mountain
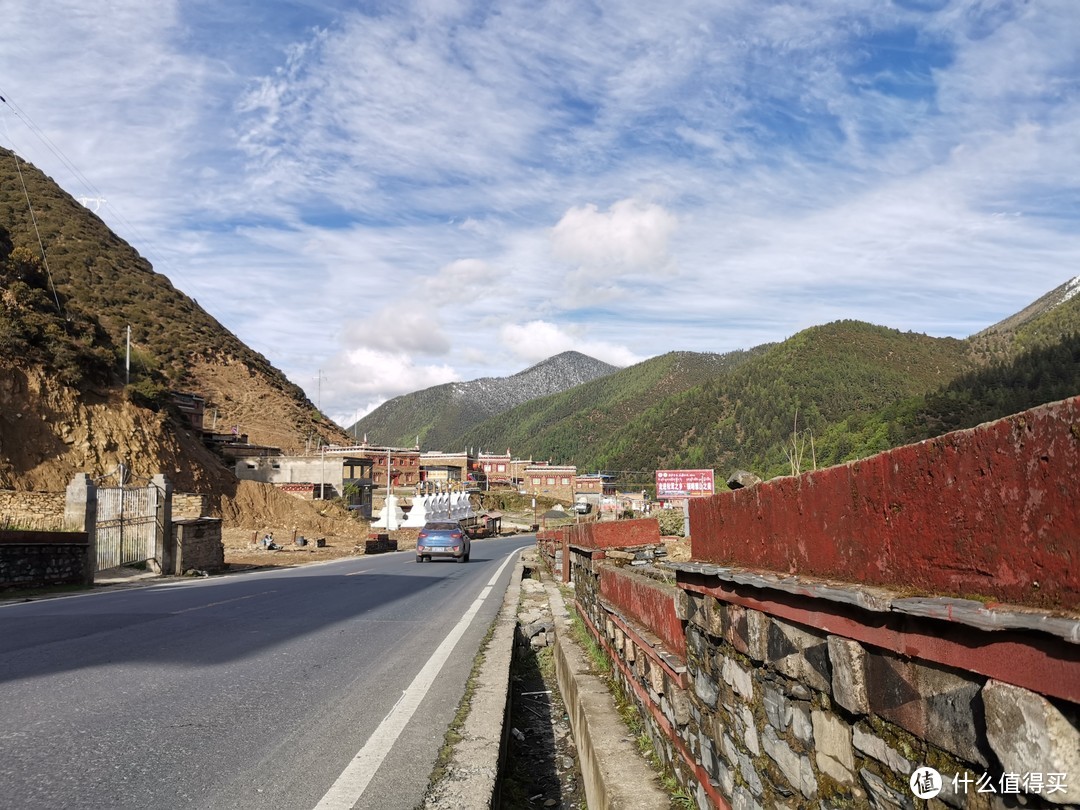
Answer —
828 394
69 291
746 419
570 425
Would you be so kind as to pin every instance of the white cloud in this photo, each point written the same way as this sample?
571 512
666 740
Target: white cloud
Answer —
435 181
403 329
461 280
367 377
538 340
631 237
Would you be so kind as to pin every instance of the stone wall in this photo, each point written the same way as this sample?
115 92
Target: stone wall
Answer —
32 510
189 505
37 559
198 545
763 686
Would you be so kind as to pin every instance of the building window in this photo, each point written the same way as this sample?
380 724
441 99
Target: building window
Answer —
566 482
502 468
536 482
551 482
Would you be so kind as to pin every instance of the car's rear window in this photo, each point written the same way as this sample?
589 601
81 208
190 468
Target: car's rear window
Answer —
441 526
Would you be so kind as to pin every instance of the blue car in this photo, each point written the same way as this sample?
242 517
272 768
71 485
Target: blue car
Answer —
443 538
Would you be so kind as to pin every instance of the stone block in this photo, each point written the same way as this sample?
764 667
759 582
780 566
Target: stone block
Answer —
795 768
680 705
832 746
757 635
1028 733
656 677
750 734
706 689
777 708
715 614
742 800
683 610
848 660
801 726
695 642
883 797
736 632
875 747
738 679
801 655
933 703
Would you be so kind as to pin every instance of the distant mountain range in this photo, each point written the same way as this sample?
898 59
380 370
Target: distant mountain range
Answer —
828 394
439 416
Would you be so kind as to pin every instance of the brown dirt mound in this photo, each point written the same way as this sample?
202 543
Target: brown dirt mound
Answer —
257 509
261 507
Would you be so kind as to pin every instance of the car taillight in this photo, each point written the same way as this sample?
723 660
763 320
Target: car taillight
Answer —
455 535
421 536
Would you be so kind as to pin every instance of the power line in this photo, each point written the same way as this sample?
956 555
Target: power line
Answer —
146 245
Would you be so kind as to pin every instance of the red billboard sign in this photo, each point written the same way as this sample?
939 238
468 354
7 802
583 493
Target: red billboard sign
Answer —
684 483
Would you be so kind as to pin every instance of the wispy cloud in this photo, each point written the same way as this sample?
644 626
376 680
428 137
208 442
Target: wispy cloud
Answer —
385 197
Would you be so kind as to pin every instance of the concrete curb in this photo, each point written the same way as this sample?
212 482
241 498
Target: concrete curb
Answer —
619 779
473 771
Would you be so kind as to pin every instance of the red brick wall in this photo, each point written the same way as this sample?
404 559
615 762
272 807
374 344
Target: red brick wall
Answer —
988 512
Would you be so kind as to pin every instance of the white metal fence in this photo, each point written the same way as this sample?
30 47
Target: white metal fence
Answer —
128 525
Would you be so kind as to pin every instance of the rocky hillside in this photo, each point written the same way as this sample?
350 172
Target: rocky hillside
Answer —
438 416
65 405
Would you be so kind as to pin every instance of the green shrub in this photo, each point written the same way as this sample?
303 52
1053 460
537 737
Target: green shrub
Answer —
671 522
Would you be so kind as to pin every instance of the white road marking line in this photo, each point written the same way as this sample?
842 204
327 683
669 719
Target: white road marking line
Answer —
350 786
222 602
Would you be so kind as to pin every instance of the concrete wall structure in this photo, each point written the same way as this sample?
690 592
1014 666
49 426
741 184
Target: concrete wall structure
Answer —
802 658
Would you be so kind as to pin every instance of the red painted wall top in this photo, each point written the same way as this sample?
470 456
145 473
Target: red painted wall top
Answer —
989 512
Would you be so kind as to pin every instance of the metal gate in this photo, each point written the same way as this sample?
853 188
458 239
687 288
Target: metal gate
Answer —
127 525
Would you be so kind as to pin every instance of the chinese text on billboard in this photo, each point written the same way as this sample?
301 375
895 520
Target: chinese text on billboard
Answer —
684 483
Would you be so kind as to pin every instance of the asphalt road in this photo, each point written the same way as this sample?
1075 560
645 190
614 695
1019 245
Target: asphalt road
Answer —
255 690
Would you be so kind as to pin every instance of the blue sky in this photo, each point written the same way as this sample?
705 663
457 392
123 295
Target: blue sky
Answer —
394 195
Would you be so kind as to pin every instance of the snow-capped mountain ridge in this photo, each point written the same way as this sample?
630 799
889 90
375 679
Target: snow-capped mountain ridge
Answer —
437 413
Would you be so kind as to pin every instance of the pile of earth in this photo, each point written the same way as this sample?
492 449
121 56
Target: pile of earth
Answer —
255 510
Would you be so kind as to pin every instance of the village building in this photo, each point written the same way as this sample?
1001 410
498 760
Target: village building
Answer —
551 480
314 477
462 468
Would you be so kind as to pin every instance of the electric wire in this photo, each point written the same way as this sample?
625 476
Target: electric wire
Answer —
37 231
147 247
